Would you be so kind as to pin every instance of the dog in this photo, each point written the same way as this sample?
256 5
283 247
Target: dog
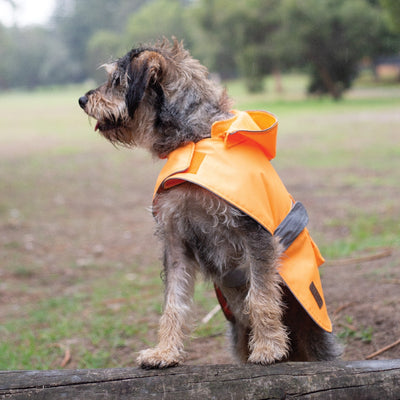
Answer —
160 98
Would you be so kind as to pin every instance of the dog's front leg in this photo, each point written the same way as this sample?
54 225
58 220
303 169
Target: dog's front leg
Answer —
268 338
174 323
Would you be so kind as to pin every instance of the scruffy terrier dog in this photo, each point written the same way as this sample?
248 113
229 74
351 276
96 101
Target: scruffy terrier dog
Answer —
160 98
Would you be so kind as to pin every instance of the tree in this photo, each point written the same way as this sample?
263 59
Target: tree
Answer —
156 19
24 57
258 36
75 22
214 36
103 46
392 8
331 36
248 39
5 57
242 37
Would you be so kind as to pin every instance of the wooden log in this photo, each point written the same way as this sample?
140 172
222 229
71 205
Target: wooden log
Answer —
356 380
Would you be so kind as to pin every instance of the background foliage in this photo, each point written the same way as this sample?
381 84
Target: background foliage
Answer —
326 38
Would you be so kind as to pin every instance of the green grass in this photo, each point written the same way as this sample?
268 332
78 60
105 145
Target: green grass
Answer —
85 322
364 232
293 99
349 331
64 190
93 325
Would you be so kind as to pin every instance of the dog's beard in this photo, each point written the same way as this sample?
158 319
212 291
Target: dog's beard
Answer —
114 125
107 124
116 134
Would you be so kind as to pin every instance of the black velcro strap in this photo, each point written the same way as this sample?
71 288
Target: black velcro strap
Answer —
292 225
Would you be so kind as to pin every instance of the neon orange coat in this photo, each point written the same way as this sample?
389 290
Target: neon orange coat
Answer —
235 165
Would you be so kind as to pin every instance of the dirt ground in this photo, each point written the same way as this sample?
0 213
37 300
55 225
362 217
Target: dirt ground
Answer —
91 207
362 293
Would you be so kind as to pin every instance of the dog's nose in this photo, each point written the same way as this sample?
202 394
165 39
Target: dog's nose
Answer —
83 101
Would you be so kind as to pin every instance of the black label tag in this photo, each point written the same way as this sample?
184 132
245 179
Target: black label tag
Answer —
317 296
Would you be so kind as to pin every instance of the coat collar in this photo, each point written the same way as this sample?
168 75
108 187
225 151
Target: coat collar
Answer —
259 126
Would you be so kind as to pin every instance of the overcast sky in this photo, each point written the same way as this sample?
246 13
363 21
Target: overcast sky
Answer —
27 12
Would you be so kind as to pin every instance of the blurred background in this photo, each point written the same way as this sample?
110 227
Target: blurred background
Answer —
80 267
54 42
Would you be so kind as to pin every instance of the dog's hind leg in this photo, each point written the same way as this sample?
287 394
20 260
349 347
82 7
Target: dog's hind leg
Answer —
174 323
268 338
239 335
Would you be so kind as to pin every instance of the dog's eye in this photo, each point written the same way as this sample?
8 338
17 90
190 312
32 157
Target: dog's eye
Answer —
116 81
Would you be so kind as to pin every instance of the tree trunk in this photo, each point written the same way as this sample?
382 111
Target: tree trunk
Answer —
342 380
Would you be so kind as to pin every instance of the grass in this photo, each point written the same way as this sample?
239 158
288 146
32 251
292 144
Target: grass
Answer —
292 98
350 331
80 272
88 322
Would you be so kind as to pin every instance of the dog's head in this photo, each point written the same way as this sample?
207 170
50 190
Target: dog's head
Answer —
133 81
151 97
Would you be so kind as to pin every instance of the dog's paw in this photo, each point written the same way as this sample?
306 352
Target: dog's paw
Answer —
267 353
159 358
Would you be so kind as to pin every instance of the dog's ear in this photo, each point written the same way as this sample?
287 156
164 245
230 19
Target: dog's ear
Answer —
145 72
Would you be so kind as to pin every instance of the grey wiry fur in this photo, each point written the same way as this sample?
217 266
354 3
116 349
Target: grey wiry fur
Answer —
160 98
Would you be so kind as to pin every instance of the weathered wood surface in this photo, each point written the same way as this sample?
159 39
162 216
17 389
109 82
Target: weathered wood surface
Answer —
357 380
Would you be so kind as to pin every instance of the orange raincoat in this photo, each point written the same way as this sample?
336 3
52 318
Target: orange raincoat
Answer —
235 165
